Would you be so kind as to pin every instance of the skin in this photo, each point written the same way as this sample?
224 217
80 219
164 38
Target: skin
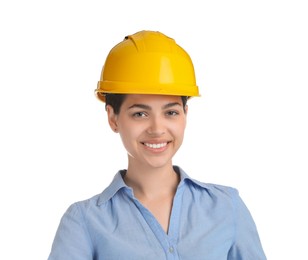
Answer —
152 130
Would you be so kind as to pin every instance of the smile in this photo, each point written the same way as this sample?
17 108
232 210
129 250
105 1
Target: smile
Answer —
155 146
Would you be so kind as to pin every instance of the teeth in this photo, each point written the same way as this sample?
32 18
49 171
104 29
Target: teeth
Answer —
155 146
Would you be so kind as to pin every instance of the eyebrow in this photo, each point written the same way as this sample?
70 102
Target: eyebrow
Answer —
146 107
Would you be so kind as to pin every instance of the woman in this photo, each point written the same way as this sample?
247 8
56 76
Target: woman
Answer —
153 209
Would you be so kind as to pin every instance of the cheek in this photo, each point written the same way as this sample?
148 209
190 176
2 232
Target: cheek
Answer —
131 130
129 134
179 129
182 124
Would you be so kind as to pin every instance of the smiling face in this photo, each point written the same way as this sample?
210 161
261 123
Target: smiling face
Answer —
151 128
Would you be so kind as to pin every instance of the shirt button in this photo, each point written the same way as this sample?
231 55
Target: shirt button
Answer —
171 249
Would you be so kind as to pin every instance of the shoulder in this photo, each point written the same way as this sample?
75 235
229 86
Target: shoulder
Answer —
213 189
212 196
81 208
102 198
206 189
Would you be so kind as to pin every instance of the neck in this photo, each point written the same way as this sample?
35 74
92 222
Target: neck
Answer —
152 182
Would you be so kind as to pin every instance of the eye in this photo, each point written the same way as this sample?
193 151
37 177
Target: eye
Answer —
172 113
139 114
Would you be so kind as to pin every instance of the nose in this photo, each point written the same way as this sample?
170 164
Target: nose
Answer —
156 126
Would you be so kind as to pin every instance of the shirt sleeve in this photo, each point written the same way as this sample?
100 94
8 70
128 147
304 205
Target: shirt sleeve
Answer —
72 240
247 244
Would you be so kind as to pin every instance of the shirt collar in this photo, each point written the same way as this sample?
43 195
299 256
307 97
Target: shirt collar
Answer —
118 184
185 178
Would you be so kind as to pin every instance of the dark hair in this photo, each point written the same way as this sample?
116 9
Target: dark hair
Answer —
116 101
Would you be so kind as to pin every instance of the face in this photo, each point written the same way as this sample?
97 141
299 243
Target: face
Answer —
151 128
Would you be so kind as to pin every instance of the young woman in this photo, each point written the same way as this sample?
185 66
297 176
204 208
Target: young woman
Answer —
153 209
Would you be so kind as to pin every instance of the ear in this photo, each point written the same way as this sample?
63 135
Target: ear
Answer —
112 118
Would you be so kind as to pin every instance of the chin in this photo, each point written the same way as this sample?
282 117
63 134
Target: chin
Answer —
158 163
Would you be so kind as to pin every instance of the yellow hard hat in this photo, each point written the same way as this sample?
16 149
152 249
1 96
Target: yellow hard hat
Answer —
147 62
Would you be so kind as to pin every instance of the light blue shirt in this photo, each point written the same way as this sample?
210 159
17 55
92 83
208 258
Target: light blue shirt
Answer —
208 222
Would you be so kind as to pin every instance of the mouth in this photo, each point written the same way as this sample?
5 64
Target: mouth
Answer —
155 146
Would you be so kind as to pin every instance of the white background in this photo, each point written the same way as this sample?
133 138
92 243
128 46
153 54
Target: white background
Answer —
248 130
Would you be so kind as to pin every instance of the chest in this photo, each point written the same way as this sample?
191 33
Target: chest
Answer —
161 209
132 230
